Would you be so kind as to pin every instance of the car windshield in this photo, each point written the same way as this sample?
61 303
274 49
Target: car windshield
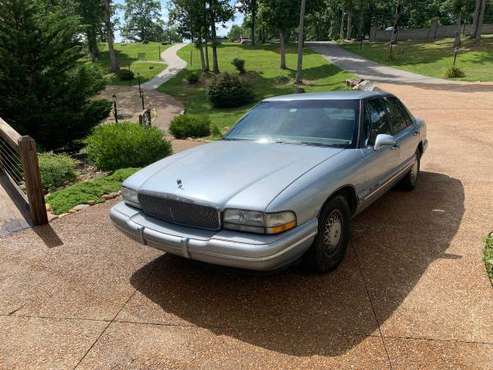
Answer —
309 122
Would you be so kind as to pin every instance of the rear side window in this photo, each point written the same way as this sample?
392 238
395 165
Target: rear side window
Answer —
398 119
376 119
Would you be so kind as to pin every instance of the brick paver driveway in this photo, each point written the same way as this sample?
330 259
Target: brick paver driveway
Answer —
412 292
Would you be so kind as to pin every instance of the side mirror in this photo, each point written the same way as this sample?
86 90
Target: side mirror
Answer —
384 140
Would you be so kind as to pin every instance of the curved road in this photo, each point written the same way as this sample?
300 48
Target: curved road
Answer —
369 70
175 65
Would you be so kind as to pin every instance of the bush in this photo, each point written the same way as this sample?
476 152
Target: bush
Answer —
190 126
454 72
216 132
125 75
227 91
56 170
87 192
239 65
123 145
192 78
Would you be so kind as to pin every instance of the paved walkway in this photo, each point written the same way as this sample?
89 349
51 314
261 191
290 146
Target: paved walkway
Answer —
175 65
412 292
369 70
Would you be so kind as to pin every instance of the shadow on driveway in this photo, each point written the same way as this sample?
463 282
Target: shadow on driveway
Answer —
296 313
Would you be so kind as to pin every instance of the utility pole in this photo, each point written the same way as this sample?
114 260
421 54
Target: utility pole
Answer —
300 45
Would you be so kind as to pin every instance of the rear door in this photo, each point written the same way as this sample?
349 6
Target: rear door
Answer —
382 164
403 130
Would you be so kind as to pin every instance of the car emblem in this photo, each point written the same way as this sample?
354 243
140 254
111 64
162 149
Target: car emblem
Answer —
180 184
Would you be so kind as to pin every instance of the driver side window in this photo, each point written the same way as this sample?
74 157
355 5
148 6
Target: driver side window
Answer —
376 120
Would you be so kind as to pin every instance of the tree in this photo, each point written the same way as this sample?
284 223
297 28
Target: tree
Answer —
218 11
142 20
92 16
46 91
108 12
250 8
235 33
282 15
301 29
190 20
478 20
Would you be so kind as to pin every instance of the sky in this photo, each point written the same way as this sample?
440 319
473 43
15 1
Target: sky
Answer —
221 31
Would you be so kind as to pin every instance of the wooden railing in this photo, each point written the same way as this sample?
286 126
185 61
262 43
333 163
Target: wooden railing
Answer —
19 162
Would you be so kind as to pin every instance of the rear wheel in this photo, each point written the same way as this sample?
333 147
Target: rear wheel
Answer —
334 231
409 182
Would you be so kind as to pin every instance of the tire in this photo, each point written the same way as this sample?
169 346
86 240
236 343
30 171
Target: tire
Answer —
330 245
409 182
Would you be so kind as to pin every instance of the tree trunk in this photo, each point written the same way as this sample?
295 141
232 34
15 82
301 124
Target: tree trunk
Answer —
349 24
479 26
201 51
395 30
92 43
254 16
282 50
458 40
109 37
206 49
475 18
341 32
215 61
300 44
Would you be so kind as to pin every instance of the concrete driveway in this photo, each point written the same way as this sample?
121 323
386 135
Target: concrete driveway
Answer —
412 292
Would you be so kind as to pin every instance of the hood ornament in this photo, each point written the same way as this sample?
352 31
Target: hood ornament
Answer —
180 184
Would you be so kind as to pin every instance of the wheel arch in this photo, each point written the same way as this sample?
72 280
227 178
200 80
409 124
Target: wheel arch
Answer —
349 193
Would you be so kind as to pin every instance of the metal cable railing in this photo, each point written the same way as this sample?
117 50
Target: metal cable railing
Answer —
19 162
11 164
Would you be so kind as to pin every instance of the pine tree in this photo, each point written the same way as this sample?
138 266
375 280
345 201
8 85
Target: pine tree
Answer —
46 91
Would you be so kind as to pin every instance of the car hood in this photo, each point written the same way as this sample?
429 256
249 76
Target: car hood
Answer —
231 174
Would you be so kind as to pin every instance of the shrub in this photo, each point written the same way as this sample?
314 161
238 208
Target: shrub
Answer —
454 72
125 75
190 126
228 91
216 132
122 145
87 192
56 170
239 65
192 78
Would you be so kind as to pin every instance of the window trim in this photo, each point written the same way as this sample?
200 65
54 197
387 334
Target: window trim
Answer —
365 139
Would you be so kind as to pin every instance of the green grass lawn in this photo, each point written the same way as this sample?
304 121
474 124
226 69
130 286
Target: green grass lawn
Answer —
87 192
142 59
433 58
264 75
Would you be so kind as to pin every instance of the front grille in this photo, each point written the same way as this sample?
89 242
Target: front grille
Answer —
181 212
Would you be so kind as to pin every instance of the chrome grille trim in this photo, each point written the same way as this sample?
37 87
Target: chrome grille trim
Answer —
180 211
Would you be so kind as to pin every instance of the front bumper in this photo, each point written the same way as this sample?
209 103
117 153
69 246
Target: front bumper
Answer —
227 248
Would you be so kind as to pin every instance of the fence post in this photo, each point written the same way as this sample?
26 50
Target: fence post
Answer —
32 177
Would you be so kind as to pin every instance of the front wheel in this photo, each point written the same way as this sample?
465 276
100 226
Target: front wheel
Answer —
334 231
409 182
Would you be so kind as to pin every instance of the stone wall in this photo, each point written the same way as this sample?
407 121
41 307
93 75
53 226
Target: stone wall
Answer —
434 32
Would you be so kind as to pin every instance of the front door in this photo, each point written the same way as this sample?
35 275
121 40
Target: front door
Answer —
381 165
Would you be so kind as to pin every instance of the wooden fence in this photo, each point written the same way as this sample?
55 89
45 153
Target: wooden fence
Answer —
19 162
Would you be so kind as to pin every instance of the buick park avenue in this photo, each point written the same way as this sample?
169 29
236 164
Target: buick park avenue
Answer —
281 187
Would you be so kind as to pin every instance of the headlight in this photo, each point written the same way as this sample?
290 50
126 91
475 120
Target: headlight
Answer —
259 222
130 197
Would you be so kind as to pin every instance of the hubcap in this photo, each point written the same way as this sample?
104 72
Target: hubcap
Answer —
333 230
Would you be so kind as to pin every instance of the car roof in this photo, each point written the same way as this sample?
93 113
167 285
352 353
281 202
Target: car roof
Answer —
335 95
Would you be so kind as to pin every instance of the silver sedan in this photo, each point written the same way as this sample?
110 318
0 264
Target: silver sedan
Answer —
281 187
